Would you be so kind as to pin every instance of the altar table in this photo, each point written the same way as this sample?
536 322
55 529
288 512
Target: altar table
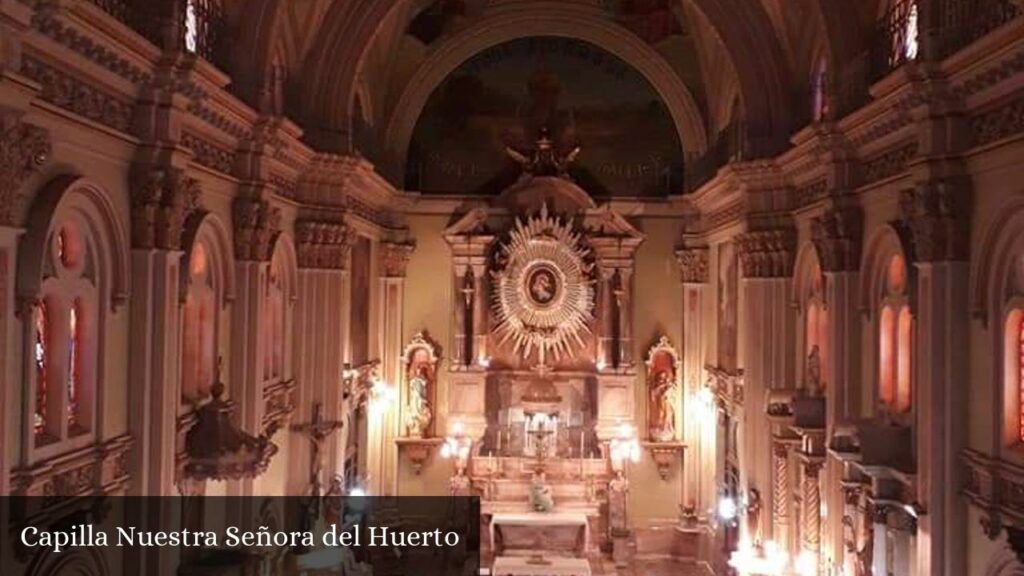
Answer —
542 520
518 566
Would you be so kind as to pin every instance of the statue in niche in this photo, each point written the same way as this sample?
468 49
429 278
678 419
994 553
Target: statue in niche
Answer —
662 367
420 371
541 497
419 405
618 490
813 368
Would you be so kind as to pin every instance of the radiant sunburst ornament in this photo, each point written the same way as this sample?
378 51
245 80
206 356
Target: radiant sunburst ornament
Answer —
544 292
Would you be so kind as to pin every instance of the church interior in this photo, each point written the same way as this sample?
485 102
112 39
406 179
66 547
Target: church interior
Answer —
687 287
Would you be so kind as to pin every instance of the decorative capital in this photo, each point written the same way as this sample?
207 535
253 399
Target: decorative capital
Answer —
767 253
256 222
836 236
394 257
693 265
936 214
162 199
23 149
324 245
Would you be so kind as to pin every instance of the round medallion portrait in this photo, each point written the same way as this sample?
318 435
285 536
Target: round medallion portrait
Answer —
542 286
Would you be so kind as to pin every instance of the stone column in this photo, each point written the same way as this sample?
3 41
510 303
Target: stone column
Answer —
321 337
606 318
934 212
26 148
879 514
385 428
254 222
698 420
781 504
837 240
624 307
810 490
462 300
767 332
480 328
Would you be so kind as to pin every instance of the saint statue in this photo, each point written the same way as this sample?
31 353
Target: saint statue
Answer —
618 489
663 409
419 417
813 368
541 499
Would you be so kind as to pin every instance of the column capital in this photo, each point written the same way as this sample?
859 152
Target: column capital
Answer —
394 258
693 265
324 245
256 223
767 253
836 236
162 198
935 213
26 148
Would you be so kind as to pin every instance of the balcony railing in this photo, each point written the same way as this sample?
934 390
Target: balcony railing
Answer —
964 21
120 9
202 26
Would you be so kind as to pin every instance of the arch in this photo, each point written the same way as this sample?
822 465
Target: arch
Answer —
282 246
881 247
566 21
81 199
206 228
806 260
991 269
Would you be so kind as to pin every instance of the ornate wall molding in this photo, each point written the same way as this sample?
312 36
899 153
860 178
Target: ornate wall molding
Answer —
209 154
162 199
76 95
997 123
693 265
767 253
323 245
98 469
46 22
836 236
255 223
888 163
810 193
23 149
996 487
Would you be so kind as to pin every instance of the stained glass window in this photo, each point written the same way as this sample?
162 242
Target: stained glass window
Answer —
895 340
191 26
74 365
1020 370
39 358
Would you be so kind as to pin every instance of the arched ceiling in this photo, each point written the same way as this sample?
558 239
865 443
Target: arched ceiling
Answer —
348 66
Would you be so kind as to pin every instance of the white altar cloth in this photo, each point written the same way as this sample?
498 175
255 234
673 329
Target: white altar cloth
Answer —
543 519
518 566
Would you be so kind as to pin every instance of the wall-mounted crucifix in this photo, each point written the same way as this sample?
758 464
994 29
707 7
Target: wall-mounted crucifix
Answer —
316 430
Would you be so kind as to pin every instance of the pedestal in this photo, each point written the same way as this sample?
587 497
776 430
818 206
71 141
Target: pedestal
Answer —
417 450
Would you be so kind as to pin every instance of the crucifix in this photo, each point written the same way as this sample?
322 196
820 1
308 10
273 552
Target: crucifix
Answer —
317 430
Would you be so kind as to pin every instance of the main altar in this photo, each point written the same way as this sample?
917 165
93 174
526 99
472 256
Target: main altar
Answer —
534 396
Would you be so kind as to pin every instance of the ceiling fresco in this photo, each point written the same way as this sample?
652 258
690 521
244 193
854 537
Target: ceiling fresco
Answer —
584 96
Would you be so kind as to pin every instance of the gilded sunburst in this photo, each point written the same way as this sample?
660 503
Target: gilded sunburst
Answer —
544 291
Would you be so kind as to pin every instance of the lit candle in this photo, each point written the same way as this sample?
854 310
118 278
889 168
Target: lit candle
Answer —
499 441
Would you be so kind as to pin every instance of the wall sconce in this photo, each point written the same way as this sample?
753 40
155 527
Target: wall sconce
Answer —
457 445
